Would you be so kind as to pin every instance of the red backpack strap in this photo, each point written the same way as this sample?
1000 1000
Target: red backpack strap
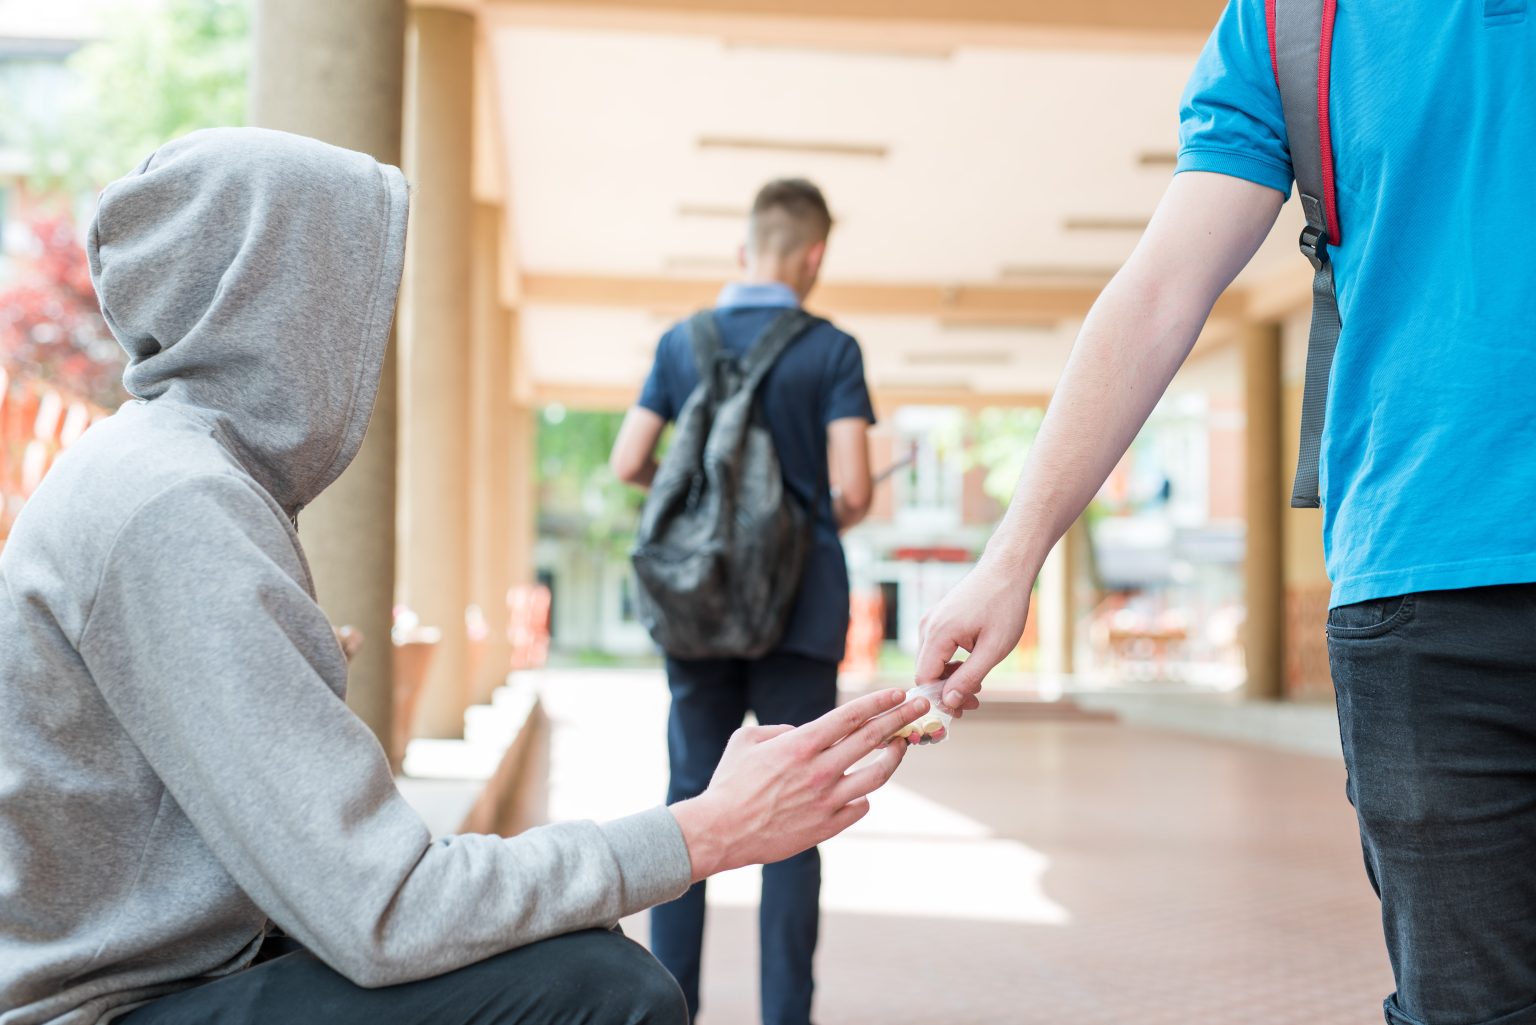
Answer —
1301 53
1269 23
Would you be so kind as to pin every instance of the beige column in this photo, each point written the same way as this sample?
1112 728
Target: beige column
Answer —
490 530
1265 505
525 511
1057 605
435 438
524 516
334 71
524 434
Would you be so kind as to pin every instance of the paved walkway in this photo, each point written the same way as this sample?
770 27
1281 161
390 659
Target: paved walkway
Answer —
1040 872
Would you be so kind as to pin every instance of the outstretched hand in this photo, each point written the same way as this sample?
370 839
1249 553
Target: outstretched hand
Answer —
983 615
780 790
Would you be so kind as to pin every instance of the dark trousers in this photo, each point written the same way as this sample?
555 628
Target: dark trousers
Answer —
1437 709
584 978
710 699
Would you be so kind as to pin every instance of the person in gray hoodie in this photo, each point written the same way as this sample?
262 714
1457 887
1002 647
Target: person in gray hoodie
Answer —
179 773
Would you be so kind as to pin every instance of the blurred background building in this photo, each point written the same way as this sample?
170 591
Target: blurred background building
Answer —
581 175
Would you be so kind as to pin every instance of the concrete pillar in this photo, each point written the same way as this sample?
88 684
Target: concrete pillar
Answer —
1057 606
490 453
435 317
524 515
334 71
1265 505
524 435
1307 589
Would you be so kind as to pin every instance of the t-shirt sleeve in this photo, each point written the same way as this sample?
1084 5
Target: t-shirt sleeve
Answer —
659 393
847 394
1230 119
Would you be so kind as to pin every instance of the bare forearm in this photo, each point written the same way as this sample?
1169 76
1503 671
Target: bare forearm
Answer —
643 476
1135 338
1130 347
633 459
848 470
849 514
1138 333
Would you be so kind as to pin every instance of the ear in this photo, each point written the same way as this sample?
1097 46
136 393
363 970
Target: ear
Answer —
741 256
814 256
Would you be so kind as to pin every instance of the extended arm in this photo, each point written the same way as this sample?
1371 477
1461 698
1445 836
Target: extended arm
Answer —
1138 333
225 674
633 459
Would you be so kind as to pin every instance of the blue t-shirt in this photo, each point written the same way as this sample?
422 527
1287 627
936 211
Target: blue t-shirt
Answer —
1429 454
818 379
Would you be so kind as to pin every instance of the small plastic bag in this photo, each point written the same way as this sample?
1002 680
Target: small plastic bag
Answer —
933 726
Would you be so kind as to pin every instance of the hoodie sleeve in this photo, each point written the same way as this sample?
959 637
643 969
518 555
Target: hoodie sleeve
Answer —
227 677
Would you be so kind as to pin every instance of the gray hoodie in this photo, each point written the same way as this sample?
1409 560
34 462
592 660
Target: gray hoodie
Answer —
177 765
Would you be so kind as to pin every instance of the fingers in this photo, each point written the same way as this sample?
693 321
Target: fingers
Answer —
750 736
847 815
843 720
938 648
874 734
965 682
758 734
970 705
867 779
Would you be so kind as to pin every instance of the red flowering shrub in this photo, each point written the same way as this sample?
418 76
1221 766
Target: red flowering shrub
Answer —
50 324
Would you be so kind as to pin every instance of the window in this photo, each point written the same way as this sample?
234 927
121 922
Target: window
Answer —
930 489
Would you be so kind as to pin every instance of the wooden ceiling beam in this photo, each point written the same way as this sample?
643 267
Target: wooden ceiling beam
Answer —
887 399
1024 305
915 27
616 398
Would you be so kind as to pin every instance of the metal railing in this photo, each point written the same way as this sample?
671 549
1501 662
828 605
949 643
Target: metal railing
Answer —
38 421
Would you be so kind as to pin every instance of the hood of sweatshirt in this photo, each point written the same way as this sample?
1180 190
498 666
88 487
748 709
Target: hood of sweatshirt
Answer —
251 276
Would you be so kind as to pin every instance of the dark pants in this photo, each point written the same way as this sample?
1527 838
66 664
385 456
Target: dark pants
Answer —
710 698
1437 709
584 978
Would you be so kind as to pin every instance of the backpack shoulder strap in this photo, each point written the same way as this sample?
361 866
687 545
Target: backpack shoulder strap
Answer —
1301 54
704 333
778 336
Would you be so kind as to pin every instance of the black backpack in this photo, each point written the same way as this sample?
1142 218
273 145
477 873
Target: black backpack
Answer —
722 542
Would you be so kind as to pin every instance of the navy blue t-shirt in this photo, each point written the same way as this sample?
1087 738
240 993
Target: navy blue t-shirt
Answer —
819 379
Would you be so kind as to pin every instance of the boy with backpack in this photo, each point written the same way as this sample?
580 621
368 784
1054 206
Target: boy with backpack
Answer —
743 581
1409 131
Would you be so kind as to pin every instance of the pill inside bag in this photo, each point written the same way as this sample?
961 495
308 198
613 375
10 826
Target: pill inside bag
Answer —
933 727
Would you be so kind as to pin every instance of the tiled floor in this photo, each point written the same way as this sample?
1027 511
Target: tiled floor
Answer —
1041 872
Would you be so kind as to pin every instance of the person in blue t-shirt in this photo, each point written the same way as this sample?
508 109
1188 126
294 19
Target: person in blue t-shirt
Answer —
1426 469
817 408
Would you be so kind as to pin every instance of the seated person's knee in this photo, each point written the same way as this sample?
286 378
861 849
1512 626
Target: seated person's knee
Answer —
620 981
658 1000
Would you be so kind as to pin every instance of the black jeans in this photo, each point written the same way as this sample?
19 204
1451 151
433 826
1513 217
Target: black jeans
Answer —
710 698
584 978
1437 710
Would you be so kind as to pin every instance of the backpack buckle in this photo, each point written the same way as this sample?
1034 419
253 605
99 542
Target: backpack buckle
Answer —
1314 245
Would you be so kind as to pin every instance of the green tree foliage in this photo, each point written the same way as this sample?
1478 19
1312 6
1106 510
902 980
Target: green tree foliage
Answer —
579 495
161 69
158 69
999 441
